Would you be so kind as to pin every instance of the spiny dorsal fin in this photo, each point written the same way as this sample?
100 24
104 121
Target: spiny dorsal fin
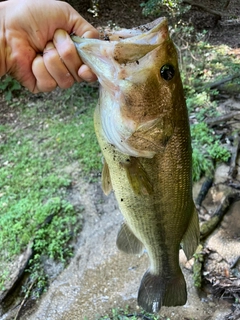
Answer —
127 241
137 176
106 179
190 239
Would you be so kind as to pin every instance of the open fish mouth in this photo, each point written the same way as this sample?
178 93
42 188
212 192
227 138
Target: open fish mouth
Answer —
125 44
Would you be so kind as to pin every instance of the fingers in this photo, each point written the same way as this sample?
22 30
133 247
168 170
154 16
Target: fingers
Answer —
66 50
56 67
70 57
60 65
50 71
86 74
44 81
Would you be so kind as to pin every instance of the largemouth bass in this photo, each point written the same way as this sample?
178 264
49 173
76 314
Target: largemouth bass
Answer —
141 123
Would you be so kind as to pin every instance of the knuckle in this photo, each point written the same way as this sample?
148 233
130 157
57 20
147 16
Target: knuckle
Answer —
50 56
66 83
47 86
67 53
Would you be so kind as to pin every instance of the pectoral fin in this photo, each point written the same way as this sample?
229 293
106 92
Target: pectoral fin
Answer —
137 177
127 241
190 239
106 179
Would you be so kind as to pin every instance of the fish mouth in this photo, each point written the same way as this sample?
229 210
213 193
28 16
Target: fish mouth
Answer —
124 45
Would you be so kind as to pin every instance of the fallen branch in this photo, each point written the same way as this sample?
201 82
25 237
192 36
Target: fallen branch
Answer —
214 12
210 225
234 185
218 83
17 274
204 190
233 171
222 119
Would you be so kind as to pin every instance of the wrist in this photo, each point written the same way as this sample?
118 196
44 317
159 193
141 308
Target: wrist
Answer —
3 44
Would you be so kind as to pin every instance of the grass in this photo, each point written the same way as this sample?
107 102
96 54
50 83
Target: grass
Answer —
127 314
50 133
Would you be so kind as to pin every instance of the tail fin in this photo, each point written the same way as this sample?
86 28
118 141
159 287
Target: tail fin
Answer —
156 290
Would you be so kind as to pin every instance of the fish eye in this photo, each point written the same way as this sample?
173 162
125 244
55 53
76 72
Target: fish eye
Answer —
167 72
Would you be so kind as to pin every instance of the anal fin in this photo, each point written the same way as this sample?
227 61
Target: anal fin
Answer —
191 237
127 241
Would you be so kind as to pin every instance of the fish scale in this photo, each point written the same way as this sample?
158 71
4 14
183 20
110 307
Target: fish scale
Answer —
142 127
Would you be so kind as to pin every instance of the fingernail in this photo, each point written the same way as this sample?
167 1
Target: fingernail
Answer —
49 46
88 76
60 35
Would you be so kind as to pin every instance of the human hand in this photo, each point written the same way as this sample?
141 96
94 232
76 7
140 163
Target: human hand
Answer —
35 46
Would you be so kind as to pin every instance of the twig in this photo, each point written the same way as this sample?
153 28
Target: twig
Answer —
24 299
234 185
227 4
224 118
233 165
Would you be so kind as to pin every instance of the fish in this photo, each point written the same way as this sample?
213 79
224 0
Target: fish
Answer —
141 123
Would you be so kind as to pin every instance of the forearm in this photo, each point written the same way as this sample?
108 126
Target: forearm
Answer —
3 45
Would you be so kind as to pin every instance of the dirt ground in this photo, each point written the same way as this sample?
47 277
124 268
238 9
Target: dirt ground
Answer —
100 277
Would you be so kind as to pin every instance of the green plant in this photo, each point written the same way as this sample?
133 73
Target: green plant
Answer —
202 65
155 7
207 150
3 278
127 314
9 86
